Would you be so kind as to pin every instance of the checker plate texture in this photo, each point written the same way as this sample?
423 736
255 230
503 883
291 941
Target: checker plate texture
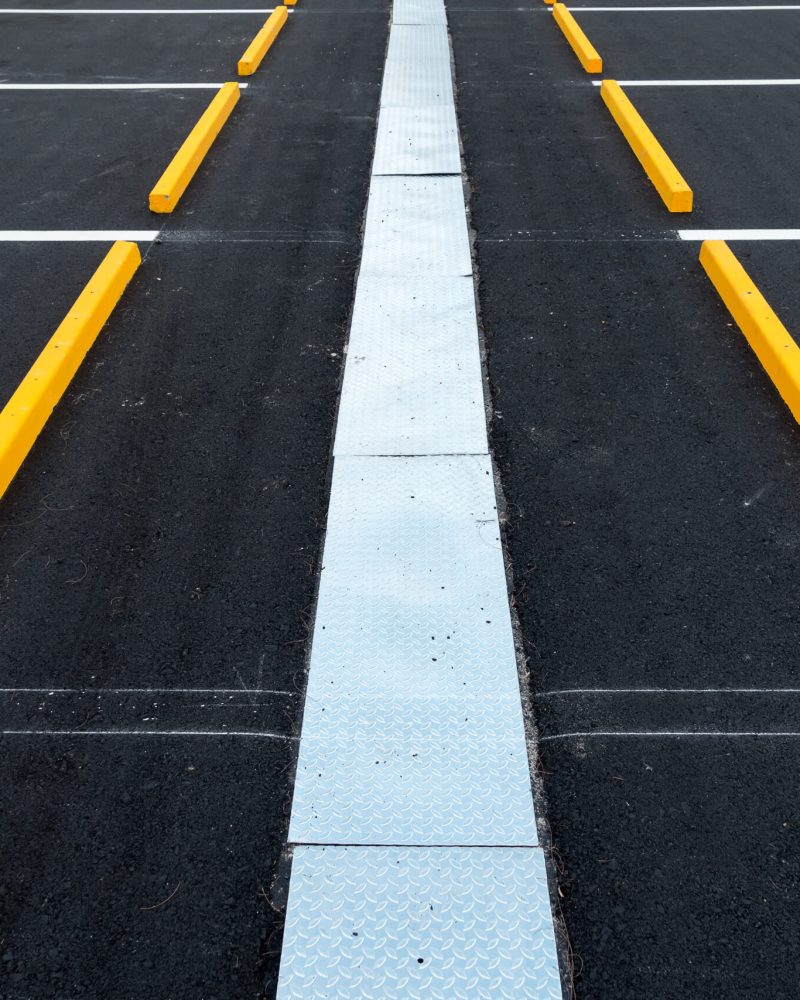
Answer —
413 382
417 141
413 730
416 226
417 72
418 12
360 919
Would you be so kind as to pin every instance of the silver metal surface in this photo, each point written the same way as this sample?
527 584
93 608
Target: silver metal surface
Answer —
412 382
365 923
419 12
417 71
416 226
421 140
413 728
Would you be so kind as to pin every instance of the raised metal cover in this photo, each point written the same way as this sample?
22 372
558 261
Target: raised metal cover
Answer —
433 923
413 730
412 383
417 72
416 226
419 12
417 141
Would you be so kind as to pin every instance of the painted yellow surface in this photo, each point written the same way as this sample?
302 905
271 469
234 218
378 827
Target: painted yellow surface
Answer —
674 190
28 410
769 338
175 179
260 45
587 54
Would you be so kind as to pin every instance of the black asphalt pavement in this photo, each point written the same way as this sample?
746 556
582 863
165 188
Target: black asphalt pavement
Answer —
651 479
160 545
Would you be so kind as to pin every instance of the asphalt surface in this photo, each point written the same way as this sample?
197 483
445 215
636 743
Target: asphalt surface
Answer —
650 475
160 545
159 549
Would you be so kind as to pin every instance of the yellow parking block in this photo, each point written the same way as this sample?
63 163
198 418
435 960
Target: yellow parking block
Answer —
173 182
587 54
769 338
27 411
260 45
674 190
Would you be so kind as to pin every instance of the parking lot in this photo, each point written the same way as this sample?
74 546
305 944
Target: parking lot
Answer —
162 542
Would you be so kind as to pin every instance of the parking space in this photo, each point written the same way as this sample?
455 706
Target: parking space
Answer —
125 48
678 44
120 890
737 147
87 159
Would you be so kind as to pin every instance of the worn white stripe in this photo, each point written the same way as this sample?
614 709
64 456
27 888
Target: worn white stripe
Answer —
655 733
114 86
611 691
147 732
145 690
739 234
705 83
76 235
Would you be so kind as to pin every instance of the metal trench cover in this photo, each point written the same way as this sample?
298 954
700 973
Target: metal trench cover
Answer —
416 226
413 383
419 12
439 923
413 730
417 71
419 140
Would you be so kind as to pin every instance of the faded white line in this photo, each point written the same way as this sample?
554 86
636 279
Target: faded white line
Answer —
790 82
739 234
719 734
76 235
611 691
147 732
238 690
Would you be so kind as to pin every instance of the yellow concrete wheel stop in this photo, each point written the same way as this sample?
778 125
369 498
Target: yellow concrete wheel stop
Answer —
28 410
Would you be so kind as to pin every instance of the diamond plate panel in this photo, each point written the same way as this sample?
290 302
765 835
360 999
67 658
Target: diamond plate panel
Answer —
416 790
413 382
413 727
417 141
419 12
416 226
417 71
439 923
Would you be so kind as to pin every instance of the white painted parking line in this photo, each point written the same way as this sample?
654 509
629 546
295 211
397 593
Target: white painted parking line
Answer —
114 86
136 10
413 782
683 10
704 83
77 235
739 234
